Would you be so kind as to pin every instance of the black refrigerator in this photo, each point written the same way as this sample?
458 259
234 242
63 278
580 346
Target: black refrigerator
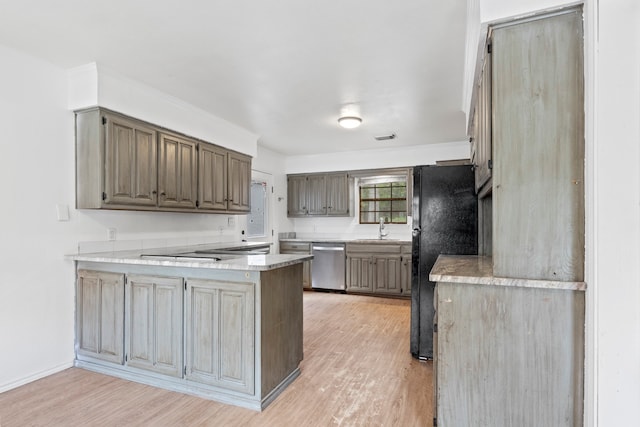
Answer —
445 221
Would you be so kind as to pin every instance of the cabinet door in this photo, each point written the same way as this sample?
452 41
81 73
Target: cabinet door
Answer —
296 195
538 179
212 177
154 324
337 185
130 163
484 156
239 183
405 275
220 346
316 195
386 277
100 315
359 277
177 172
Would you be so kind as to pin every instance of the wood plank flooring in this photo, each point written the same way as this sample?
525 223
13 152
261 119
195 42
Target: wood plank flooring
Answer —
357 371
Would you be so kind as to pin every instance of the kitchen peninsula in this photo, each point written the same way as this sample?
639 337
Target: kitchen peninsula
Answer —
206 320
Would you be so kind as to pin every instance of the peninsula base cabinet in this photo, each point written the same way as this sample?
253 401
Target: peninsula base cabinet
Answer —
226 335
100 315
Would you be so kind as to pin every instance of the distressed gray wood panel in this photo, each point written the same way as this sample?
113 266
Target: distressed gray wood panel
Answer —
154 323
220 334
177 172
337 194
100 315
538 142
316 194
212 187
509 356
239 182
281 325
131 162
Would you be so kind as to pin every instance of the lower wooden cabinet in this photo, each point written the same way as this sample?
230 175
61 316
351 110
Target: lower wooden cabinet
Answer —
154 324
220 334
380 268
100 315
300 248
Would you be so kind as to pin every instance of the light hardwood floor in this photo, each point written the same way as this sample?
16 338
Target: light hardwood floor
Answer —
357 371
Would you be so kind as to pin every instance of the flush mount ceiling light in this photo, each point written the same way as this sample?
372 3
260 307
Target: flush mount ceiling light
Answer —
349 122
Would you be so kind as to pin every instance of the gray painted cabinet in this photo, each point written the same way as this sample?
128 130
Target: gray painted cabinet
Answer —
321 194
212 170
177 172
483 161
538 148
379 268
130 162
220 334
300 248
154 323
508 356
125 163
239 182
100 315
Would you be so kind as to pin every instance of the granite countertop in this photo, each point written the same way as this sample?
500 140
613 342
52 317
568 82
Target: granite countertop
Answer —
337 240
479 270
225 262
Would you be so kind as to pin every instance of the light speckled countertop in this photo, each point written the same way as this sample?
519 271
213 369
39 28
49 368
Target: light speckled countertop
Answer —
479 270
336 240
226 262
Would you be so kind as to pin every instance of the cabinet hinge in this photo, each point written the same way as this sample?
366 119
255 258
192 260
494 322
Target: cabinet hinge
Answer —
104 196
490 164
435 422
104 120
271 233
197 203
272 189
489 48
435 328
126 357
185 371
185 285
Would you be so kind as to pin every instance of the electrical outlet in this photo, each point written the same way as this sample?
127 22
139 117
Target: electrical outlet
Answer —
111 233
231 221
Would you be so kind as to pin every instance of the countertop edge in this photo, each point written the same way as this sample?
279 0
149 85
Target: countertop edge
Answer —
478 270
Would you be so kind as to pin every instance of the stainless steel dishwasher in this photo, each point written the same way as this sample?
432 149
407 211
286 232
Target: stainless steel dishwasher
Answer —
328 270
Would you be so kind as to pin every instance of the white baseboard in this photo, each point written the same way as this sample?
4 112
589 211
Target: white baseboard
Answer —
26 380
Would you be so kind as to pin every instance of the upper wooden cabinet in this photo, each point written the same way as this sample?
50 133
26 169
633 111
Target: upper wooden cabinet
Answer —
124 163
319 194
130 162
177 172
530 124
239 186
483 158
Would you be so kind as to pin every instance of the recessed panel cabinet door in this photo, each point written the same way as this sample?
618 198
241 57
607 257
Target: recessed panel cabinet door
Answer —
130 163
337 194
359 274
316 195
386 278
177 172
212 187
100 315
239 183
220 338
297 195
154 324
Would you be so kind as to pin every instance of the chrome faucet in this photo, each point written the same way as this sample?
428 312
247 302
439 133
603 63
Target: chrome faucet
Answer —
382 233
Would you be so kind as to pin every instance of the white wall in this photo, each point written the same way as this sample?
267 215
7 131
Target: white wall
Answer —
349 227
37 167
613 139
94 84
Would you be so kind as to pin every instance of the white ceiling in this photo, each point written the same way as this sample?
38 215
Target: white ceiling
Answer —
282 69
